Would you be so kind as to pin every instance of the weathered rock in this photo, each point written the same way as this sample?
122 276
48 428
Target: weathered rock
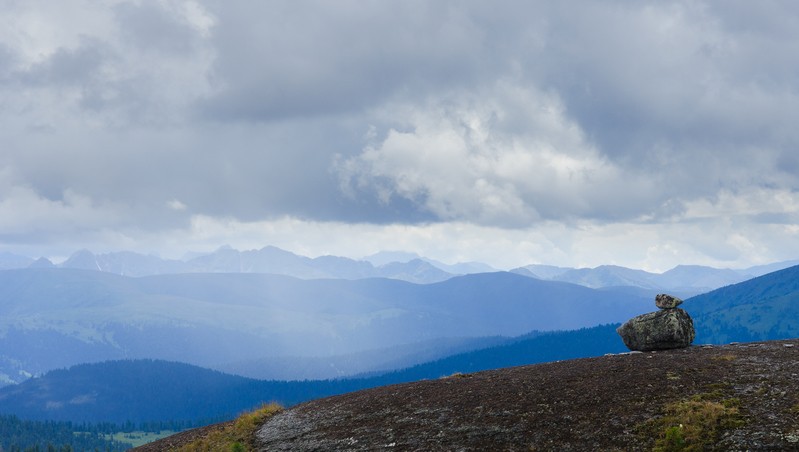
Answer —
662 330
666 301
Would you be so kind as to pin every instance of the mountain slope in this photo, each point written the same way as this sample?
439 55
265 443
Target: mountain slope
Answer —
528 349
367 362
766 307
120 391
702 398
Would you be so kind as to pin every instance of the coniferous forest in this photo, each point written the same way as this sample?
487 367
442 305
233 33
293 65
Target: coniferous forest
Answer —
22 435
17 435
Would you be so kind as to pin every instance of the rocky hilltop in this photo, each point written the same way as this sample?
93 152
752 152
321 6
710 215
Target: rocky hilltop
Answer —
732 397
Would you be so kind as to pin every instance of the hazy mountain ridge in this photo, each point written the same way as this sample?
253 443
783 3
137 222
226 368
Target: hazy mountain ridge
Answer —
269 259
55 317
11 260
682 280
50 316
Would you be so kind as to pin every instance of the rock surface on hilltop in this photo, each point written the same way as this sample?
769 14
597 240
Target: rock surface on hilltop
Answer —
586 404
605 403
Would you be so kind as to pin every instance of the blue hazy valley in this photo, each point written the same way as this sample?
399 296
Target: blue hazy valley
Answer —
123 337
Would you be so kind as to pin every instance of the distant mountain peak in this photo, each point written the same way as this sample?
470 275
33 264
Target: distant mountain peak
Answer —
42 262
386 257
82 259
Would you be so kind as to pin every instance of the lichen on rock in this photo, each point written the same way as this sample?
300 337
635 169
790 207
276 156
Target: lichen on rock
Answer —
666 301
668 328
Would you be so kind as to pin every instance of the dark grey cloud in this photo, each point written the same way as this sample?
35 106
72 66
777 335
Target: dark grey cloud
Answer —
152 27
68 67
681 73
284 59
7 63
503 114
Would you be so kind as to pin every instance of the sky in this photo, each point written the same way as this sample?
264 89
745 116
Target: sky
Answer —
576 133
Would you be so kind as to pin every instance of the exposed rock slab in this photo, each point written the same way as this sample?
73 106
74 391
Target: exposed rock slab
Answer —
662 330
585 404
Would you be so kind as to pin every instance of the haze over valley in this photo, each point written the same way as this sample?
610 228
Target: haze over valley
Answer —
272 314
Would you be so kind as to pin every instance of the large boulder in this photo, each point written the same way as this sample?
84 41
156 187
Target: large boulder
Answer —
662 330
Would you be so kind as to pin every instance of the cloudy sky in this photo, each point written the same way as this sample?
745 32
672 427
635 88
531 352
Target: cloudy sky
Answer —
639 133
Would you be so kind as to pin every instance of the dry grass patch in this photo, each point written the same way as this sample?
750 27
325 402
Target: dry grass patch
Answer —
237 437
725 357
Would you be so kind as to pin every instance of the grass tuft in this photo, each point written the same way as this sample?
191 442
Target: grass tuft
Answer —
726 357
237 437
695 424
456 375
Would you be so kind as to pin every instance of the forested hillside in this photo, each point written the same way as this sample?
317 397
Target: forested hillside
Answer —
18 435
149 390
763 308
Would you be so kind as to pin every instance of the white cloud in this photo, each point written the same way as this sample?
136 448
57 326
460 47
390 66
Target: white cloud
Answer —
506 156
772 205
176 205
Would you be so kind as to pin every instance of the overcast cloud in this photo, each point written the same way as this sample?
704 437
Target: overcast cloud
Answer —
640 133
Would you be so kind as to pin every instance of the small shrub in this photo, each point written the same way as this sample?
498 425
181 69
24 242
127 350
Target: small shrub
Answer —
673 439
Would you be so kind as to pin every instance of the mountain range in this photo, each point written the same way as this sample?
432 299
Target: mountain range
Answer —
683 280
272 314
57 317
